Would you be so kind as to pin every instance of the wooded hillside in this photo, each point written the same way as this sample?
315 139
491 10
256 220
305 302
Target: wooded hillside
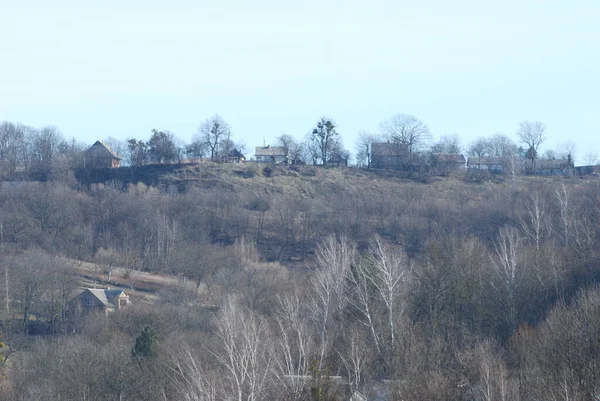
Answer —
309 283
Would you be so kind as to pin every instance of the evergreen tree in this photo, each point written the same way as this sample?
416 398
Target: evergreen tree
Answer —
145 344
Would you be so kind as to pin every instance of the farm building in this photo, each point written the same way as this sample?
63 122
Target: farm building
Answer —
100 155
100 300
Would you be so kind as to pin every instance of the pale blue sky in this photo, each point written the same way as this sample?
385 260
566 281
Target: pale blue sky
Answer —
471 67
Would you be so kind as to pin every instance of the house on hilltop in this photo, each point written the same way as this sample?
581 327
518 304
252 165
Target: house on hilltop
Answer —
338 159
491 164
232 156
592 171
100 155
551 167
271 154
100 300
386 155
446 163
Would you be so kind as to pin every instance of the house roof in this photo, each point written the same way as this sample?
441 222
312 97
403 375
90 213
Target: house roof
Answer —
107 296
105 146
233 153
448 158
337 157
269 151
387 149
474 161
551 164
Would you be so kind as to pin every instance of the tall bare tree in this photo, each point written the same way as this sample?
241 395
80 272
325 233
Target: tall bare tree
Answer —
507 264
532 134
334 258
406 130
192 382
213 132
364 148
293 346
566 218
536 222
44 148
567 152
447 144
243 353
389 274
479 149
499 145
293 149
12 146
591 158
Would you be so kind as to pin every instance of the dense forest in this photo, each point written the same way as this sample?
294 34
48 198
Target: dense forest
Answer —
302 283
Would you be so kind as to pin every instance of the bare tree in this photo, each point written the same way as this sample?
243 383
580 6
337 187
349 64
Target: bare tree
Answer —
294 150
494 382
591 158
567 152
479 149
447 144
532 135
354 361
334 258
499 145
312 151
196 149
29 273
286 141
192 382
116 145
536 222
12 146
243 353
213 132
506 264
293 347
566 214
364 148
44 148
388 274
362 298
406 130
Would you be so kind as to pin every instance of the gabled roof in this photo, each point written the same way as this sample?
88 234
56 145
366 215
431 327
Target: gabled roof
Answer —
233 153
337 157
106 297
105 146
448 158
551 164
269 151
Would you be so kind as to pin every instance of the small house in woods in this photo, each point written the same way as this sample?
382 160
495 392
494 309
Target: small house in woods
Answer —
100 155
100 300
271 154
446 163
387 155
232 156
491 164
